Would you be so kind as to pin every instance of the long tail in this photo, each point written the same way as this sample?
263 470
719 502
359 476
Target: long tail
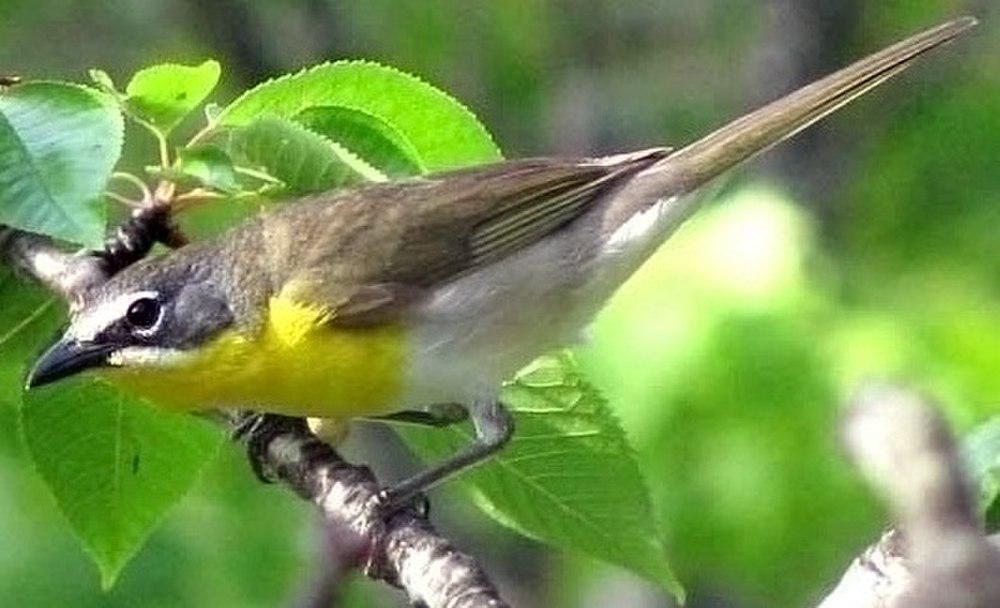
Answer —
745 137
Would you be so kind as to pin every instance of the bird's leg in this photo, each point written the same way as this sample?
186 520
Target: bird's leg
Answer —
439 415
494 426
258 430
243 422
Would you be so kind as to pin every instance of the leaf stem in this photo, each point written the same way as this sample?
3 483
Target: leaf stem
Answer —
200 135
147 195
261 175
197 195
161 140
164 148
124 200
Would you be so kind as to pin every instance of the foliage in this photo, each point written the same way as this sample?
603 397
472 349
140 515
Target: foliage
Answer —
367 134
569 475
442 131
58 145
115 464
163 95
725 381
302 160
26 316
728 353
981 449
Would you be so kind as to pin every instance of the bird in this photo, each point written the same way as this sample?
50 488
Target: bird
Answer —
394 298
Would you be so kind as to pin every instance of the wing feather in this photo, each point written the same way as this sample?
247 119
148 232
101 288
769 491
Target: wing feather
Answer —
365 254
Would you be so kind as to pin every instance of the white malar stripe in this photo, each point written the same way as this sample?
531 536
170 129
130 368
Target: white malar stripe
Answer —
146 356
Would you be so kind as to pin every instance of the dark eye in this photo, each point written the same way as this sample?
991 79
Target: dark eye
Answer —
143 313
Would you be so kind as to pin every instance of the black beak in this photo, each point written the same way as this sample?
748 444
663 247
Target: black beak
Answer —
65 358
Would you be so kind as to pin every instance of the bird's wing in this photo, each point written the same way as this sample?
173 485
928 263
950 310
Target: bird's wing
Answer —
484 215
365 254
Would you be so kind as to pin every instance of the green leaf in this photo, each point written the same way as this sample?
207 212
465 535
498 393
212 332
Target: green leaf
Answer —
209 220
162 95
58 145
303 160
443 132
568 477
376 141
29 316
209 166
981 452
114 464
212 111
103 82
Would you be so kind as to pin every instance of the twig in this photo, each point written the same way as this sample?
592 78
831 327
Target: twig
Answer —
70 276
402 549
939 556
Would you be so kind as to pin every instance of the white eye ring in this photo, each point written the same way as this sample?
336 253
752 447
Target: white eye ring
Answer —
91 323
143 313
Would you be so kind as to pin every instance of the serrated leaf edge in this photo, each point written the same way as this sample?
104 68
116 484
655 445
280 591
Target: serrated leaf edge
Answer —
411 151
220 119
107 100
169 64
340 152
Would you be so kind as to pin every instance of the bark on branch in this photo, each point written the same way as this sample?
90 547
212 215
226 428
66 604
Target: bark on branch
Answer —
402 549
938 556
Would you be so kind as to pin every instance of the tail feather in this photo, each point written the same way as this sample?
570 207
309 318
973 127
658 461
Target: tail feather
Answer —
660 197
757 131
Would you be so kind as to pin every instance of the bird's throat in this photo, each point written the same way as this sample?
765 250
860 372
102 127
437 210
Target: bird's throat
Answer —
297 364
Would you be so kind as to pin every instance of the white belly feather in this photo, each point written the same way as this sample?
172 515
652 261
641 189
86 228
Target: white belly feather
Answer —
476 331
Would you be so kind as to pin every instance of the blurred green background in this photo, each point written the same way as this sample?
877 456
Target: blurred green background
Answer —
870 246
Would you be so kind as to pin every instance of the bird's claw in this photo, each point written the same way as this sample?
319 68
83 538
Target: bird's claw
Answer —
258 430
388 503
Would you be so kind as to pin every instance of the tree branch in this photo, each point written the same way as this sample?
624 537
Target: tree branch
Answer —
69 276
939 556
402 548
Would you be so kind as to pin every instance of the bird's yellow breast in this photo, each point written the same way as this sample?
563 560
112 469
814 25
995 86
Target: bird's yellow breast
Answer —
297 364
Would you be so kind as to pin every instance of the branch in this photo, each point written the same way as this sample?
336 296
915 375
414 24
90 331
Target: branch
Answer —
73 276
69 276
402 548
939 557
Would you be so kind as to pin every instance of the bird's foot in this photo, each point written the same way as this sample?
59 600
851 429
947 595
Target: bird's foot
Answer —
258 431
388 502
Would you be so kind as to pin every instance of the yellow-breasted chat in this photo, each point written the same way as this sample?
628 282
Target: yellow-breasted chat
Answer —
397 297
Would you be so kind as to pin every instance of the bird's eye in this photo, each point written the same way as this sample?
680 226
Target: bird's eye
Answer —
143 313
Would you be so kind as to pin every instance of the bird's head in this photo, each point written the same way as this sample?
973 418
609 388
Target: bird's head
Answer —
150 315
